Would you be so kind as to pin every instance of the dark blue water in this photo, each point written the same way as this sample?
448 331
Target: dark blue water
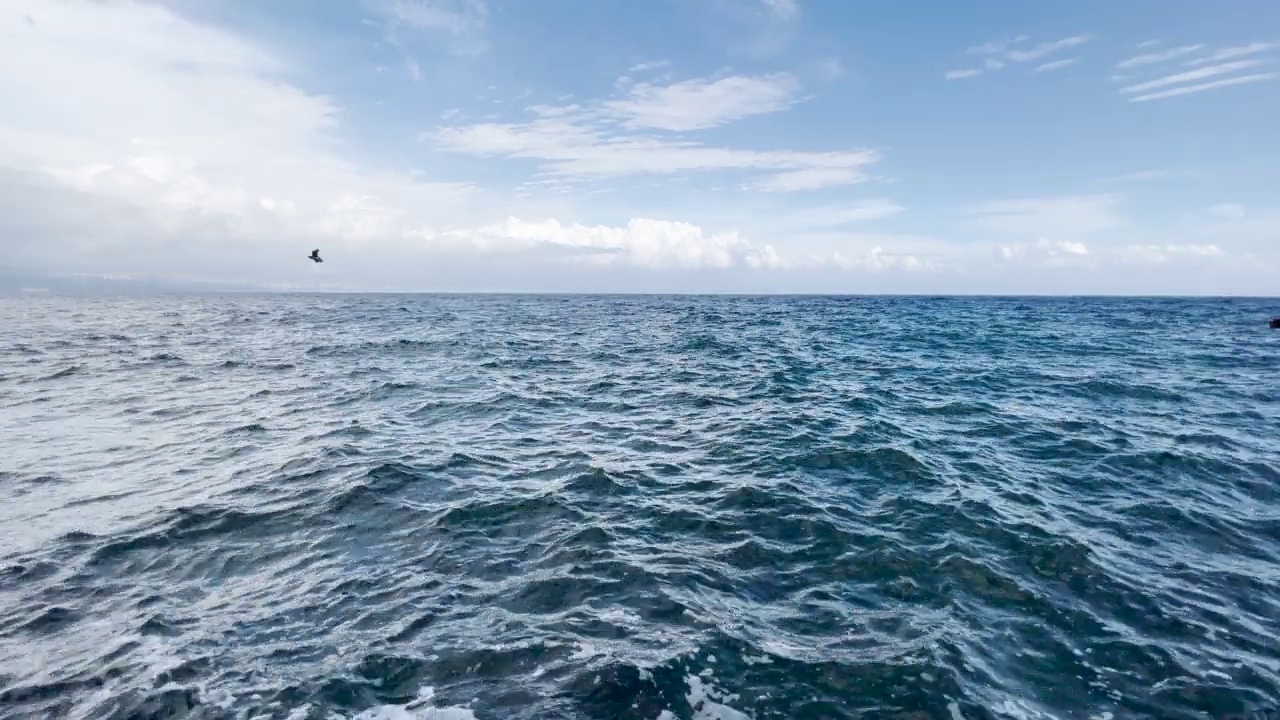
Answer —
537 507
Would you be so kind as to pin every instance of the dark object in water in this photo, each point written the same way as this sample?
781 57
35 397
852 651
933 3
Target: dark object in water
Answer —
1275 323
315 255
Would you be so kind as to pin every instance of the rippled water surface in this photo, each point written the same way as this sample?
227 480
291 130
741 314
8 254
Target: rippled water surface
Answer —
539 507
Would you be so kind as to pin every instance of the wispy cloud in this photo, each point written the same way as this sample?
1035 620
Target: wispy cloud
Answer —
1056 65
1039 51
701 103
1207 74
645 66
455 16
1142 176
1234 52
1189 89
601 140
1187 77
1073 216
1002 52
1231 211
809 179
785 9
1159 57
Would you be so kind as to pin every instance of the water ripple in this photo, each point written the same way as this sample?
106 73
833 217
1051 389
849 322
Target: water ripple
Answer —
460 507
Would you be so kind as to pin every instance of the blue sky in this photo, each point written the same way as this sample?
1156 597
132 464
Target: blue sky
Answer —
666 145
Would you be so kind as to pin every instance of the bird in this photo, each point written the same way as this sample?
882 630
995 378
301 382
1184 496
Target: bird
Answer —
315 255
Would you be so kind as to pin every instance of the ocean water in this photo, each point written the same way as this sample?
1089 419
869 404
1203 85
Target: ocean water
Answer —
319 507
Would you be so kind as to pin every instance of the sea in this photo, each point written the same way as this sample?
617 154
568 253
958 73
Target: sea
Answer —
472 507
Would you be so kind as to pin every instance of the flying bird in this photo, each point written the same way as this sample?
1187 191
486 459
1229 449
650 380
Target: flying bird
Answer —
315 255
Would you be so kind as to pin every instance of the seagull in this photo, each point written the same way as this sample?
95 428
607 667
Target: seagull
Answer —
315 255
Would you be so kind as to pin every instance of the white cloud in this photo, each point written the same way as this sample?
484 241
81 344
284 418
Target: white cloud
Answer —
1234 52
785 9
1162 254
1231 211
1072 216
593 141
652 244
1039 51
185 136
1159 57
1241 80
701 103
1056 65
454 16
809 179
1207 67
1065 254
1006 49
1143 175
1191 75
646 66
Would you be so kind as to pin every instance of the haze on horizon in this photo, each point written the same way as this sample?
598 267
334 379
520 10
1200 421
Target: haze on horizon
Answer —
669 146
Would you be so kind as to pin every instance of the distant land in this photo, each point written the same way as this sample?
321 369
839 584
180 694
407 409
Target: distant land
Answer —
25 283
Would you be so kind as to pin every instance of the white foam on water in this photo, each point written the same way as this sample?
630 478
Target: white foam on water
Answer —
702 698
414 710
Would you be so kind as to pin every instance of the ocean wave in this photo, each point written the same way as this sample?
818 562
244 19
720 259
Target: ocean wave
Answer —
464 508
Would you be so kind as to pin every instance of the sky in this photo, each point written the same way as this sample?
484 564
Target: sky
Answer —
758 146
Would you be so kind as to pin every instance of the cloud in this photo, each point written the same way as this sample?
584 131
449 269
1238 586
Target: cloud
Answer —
1144 175
646 66
785 9
702 103
1234 52
1206 67
1072 216
1231 211
1002 52
1046 253
809 179
1194 75
453 16
596 141
1056 65
181 139
1159 57
421 23
1039 51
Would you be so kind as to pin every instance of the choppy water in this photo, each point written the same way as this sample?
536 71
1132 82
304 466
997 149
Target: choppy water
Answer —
538 507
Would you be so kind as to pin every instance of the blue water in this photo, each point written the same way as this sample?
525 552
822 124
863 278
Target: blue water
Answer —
638 507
